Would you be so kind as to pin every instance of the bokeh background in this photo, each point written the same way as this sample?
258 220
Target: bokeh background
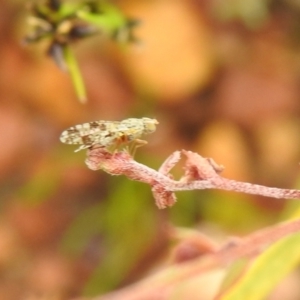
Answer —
222 78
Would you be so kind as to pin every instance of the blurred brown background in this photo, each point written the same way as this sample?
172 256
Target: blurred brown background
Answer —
221 77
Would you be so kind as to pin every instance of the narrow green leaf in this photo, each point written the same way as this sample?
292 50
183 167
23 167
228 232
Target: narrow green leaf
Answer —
109 20
75 74
268 270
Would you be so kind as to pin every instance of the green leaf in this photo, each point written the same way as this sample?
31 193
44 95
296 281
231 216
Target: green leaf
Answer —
110 20
268 270
75 74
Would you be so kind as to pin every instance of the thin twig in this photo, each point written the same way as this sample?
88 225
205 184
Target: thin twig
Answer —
200 173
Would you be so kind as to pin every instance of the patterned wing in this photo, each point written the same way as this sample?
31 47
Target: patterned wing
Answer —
92 133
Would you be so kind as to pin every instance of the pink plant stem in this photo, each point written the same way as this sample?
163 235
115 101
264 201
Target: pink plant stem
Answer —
200 173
